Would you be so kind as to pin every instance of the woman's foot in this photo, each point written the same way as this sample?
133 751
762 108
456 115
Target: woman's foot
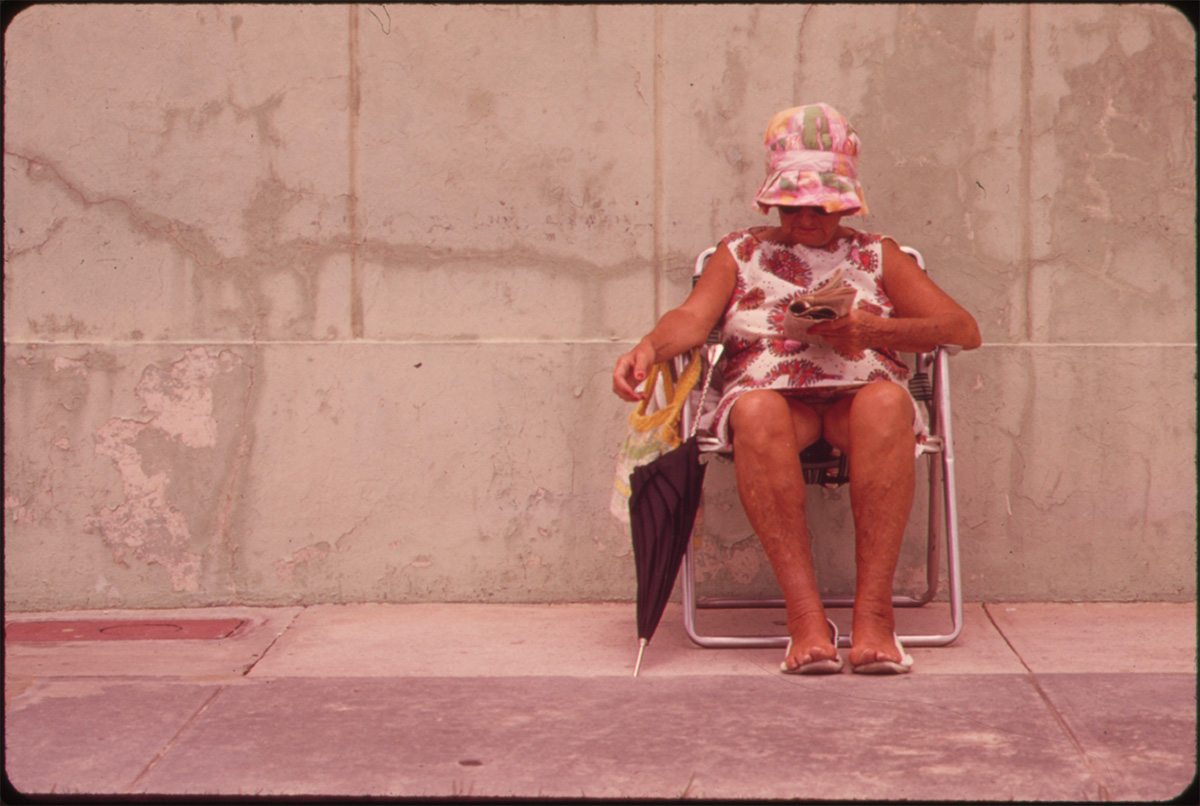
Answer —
875 648
812 649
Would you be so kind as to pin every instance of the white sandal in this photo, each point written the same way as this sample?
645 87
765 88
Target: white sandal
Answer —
817 665
886 666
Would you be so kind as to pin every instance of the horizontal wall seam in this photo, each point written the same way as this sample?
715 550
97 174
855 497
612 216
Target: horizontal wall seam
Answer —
434 342
1073 344
307 343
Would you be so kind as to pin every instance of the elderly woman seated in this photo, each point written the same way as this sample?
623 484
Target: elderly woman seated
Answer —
844 382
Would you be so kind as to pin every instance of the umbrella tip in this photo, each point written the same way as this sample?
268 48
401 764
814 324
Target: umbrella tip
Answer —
641 648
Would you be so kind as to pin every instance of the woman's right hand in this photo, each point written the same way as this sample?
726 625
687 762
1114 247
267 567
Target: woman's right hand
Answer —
680 329
631 370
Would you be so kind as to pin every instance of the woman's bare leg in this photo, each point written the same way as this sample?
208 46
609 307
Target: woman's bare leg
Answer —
768 435
874 429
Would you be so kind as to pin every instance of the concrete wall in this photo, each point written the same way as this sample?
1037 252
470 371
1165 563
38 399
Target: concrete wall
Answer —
319 303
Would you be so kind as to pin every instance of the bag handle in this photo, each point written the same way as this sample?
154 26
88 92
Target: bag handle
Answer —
710 363
676 394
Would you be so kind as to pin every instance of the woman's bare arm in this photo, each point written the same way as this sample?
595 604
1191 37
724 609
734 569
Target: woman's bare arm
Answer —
682 328
925 316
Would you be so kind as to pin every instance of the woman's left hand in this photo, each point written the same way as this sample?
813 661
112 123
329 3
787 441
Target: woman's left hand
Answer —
851 334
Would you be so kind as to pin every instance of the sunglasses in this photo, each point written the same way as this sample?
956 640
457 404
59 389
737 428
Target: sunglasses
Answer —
794 210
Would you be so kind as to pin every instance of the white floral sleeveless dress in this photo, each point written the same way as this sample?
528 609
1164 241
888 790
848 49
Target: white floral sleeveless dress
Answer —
757 354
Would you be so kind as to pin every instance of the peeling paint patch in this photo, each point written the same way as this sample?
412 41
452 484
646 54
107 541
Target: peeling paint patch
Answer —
78 366
20 513
181 399
286 569
105 587
146 526
742 560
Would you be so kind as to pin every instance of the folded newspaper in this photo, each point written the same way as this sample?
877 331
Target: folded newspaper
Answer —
830 301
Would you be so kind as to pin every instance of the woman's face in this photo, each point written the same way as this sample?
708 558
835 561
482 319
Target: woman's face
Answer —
808 226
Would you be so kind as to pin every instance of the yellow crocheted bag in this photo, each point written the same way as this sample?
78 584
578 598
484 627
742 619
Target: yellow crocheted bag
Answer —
651 434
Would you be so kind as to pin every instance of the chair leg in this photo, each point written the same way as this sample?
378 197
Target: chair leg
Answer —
949 513
690 605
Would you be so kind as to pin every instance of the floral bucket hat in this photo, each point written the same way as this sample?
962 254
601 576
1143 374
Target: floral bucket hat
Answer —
812 161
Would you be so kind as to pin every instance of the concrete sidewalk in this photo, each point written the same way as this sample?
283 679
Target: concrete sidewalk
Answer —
1034 702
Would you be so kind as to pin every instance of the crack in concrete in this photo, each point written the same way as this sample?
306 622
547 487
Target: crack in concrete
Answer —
221 533
354 104
303 258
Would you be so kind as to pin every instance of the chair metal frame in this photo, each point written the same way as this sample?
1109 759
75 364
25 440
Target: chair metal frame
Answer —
940 455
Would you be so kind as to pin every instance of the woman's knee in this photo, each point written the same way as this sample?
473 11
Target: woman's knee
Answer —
761 417
883 407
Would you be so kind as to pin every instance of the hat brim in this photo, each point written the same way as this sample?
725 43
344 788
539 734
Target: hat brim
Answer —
832 192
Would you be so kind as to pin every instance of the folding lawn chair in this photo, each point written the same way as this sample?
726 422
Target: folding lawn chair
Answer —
929 384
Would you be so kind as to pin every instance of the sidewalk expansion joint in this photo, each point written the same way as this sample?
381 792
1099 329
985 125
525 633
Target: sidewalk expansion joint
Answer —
271 645
174 739
1063 725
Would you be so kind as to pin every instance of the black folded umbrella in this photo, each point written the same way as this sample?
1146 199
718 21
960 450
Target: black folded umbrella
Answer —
662 511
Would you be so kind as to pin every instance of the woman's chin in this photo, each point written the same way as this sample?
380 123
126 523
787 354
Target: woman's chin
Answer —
809 238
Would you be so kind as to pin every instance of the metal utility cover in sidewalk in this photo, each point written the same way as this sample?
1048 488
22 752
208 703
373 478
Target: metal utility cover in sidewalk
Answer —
120 630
